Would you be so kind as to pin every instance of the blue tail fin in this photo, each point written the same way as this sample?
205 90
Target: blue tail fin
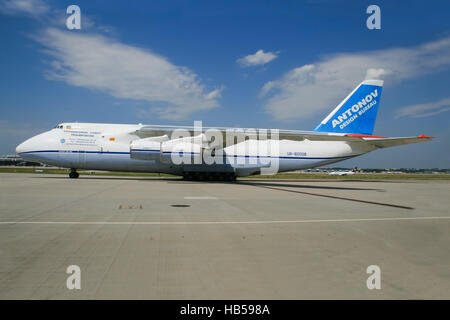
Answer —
357 112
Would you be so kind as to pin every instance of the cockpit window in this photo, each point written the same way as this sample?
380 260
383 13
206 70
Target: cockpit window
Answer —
59 126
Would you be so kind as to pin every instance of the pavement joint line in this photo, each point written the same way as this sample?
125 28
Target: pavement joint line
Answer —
221 222
200 198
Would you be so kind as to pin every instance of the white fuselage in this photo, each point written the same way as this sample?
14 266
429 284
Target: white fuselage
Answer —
107 147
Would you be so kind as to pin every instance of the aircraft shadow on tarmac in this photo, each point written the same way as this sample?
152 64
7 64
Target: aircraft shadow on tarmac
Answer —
259 182
270 183
302 186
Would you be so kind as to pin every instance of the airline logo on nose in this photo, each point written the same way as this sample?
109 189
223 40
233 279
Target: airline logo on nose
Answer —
356 110
68 127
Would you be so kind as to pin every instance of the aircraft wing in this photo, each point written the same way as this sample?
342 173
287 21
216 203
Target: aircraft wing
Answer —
392 142
242 133
147 131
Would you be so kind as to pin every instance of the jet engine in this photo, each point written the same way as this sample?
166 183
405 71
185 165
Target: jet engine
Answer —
177 151
145 149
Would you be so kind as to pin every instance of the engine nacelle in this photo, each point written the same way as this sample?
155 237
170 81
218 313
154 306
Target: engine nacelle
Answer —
177 152
145 149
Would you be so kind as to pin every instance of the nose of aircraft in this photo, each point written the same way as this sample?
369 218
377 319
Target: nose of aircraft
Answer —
32 144
37 147
26 148
21 148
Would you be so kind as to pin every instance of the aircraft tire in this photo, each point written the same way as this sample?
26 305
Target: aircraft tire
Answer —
209 176
74 175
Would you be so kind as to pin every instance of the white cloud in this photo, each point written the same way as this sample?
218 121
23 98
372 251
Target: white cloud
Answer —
47 15
259 58
425 109
124 71
317 88
376 73
31 7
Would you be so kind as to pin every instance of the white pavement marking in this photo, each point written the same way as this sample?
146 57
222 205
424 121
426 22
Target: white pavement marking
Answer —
218 222
200 198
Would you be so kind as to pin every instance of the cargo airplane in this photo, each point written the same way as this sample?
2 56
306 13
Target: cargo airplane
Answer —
345 133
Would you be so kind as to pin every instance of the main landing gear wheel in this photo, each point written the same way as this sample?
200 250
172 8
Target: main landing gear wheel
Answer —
74 174
209 176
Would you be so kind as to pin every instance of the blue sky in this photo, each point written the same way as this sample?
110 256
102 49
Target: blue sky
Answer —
260 64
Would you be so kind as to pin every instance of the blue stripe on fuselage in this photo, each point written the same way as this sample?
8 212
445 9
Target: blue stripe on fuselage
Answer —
235 156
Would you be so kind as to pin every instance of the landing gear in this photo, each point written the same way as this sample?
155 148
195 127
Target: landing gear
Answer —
73 174
209 176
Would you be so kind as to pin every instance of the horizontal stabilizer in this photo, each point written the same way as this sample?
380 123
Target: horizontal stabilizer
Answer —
392 142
